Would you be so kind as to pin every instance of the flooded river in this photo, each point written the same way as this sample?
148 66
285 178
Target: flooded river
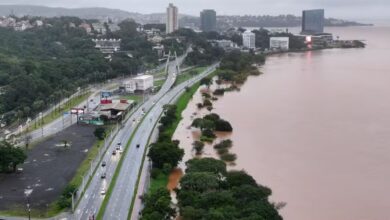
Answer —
315 127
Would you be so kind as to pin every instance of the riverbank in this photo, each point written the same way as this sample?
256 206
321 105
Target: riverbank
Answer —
315 113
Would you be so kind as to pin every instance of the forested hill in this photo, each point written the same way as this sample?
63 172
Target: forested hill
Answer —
84 13
41 65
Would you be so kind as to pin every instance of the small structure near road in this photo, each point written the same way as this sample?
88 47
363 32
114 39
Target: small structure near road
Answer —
141 84
107 46
115 109
279 43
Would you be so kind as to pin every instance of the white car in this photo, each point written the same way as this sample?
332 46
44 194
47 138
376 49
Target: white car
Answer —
103 192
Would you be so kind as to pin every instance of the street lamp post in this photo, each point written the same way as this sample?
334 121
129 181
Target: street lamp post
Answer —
73 194
28 210
41 116
27 193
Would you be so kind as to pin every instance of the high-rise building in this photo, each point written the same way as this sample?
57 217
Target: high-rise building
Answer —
249 40
208 20
313 21
172 23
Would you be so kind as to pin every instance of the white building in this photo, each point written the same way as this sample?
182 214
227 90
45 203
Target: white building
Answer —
172 23
139 83
249 40
282 43
108 46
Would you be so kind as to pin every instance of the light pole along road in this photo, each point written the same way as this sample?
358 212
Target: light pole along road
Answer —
118 206
92 199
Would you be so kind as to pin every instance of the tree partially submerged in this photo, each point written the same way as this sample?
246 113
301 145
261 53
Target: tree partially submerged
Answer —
209 191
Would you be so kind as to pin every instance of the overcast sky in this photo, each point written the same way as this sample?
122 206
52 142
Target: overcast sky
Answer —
348 9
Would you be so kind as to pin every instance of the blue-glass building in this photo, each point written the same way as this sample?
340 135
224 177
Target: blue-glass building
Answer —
313 21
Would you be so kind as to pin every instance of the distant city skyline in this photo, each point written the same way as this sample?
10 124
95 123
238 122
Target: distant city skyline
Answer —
360 10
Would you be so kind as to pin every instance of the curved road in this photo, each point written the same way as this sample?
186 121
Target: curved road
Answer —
118 207
91 201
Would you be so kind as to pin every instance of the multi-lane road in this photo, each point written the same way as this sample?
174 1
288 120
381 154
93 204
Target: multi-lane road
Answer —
91 201
119 203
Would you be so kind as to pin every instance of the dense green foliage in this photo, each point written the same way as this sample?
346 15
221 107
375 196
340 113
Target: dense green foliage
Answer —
203 52
42 65
10 157
162 153
236 66
65 200
158 206
100 133
263 37
212 122
198 147
209 191
166 152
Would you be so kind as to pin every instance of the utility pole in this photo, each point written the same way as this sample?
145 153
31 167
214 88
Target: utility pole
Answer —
41 116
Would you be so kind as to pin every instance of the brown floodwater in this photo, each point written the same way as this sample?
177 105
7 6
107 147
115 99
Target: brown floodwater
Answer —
315 127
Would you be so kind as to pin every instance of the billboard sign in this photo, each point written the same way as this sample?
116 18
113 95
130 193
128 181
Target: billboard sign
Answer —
105 94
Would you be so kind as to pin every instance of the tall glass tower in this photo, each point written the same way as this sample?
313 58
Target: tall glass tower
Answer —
208 20
313 21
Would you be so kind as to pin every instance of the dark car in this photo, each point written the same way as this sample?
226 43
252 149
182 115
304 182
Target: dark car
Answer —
103 176
137 146
114 152
104 164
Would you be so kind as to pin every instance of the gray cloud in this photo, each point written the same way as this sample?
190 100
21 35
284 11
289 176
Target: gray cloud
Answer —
348 9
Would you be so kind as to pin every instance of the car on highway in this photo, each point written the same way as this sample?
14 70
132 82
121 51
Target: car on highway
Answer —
103 176
103 192
137 146
119 147
104 164
114 152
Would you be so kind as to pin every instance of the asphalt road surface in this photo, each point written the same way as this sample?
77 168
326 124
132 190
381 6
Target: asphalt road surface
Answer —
118 207
91 201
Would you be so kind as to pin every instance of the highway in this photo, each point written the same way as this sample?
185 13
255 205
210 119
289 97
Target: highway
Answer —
91 201
118 207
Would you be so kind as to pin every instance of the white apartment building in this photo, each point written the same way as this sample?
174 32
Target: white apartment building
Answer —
139 83
249 40
172 23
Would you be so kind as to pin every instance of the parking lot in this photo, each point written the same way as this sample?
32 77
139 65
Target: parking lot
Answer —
48 169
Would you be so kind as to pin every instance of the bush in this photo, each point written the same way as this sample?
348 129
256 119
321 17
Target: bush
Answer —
10 157
206 95
225 144
207 102
222 151
206 139
198 147
165 152
208 133
155 173
222 125
100 133
212 117
167 168
228 157
219 92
